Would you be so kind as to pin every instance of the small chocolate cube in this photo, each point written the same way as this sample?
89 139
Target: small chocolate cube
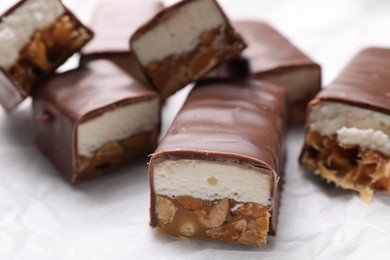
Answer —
93 118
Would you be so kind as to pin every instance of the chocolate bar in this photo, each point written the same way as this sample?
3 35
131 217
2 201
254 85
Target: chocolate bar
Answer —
216 174
113 23
36 37
271 57
94 118
348 126
184 42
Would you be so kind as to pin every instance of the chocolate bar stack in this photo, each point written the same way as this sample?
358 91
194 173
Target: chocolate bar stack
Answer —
217 173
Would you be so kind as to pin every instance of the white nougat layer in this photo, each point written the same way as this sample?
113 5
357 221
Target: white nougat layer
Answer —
209 180
352 125
178 33
116 125
367 138
17 28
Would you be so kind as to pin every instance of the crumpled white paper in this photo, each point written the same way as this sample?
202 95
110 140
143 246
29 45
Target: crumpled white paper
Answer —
42 217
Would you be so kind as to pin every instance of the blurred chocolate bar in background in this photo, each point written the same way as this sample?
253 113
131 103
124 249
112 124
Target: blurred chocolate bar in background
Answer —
113 23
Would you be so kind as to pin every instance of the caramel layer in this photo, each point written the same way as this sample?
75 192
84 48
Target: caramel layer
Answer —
114 154
224 220
48 49
354 168
175 71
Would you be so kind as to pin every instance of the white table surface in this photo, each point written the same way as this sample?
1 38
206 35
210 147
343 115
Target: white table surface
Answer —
43 217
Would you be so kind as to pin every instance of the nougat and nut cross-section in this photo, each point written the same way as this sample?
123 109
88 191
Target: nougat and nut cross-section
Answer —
36 37
348 127
216 174
213 200
193 36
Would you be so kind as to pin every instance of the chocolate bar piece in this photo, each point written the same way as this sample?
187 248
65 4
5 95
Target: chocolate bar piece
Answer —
93 118
184 42
36 37
113 23
348 126
271 57
216 174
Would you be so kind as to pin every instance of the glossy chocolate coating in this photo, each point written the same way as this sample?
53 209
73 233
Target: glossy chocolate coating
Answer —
67 99
11 95
114 22
364 82
231 122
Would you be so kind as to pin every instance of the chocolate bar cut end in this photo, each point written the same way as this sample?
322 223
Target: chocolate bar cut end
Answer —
215 209
49 35
348 127
192 38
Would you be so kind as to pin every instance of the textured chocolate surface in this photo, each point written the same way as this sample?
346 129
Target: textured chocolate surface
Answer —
365 82
11 94
229 121
67 99
114 22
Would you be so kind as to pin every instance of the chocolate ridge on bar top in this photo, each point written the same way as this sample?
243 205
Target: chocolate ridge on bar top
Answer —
12 95
68 99
225 120
164 15
362 84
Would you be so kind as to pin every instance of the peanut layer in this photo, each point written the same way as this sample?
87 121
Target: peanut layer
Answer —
354 168
114 154
175 71
224 220
48 48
